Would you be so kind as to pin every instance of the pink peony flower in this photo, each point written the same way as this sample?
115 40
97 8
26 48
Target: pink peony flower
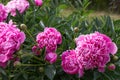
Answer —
51 46
69 62
41 40
49 39
10 40
20 5
112 48
3 13
38 2
111 67
94 50
54 34
51 57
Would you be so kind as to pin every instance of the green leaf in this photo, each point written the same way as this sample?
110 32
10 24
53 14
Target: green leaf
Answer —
96 75
62 6
4 75
107 76
68 34
25 76
50 71
42 24
110 24
66 77
2 71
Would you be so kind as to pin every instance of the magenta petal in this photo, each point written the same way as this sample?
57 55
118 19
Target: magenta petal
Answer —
38 2
81 72
80 38
113 48
23 37
3 64
51 57
101 69
3 58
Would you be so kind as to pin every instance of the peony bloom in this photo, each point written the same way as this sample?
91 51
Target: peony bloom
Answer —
49 39
20 5
3 13
51 57
69 62
10 40
38 2
54 34
41 40
94 50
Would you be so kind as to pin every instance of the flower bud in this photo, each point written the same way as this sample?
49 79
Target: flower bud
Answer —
17 64
41 69
14 23
76 29
74 40
115 58
36 50
23 26
38 2
111 66
51 57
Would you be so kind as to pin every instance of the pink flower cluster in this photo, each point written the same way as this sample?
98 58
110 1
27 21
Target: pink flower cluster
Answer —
3 13
49 39
20 5
69 62
10 40
92 51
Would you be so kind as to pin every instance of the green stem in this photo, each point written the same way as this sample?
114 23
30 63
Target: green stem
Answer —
34 14
37 58
30 35
32 65
24 55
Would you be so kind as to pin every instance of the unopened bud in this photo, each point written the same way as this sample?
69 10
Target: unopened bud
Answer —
111 66
17 63
115 58
76 29
23 26
74 40
41 69
14 23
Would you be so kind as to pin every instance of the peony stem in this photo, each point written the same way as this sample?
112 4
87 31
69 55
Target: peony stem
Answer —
30 35
24 55
32 64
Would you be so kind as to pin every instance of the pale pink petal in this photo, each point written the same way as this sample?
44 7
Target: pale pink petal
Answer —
113 48
3 58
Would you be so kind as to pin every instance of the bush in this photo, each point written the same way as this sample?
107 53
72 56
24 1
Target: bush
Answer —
50 38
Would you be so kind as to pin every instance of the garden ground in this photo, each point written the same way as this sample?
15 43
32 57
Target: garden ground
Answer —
93 14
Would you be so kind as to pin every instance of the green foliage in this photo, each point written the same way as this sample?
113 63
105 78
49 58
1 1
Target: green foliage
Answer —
50 71
34 67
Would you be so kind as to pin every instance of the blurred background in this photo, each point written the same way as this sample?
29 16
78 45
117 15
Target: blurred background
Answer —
103 7
106 5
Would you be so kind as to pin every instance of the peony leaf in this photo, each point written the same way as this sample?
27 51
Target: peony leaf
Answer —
4 75
96 75
50 71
